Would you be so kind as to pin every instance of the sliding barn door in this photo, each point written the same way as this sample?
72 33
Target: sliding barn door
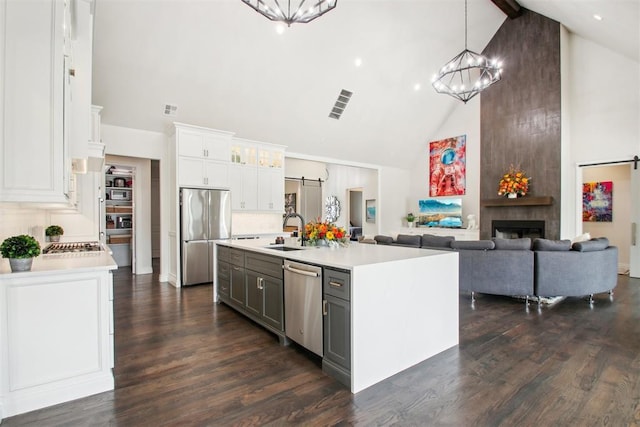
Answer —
634 253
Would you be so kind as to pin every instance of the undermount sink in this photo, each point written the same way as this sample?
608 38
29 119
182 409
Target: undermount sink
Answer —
283 248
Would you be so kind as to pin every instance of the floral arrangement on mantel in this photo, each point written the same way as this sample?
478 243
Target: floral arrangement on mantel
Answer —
325 233
514 183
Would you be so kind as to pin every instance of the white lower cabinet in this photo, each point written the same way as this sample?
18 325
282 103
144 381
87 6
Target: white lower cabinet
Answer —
56 339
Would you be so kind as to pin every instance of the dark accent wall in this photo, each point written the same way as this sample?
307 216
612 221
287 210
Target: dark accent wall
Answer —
520 119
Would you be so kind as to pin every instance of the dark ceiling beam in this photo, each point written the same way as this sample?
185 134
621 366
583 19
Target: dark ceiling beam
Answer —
511 8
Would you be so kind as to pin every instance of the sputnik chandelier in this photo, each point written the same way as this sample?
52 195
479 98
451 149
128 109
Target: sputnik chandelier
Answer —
291 11
468 74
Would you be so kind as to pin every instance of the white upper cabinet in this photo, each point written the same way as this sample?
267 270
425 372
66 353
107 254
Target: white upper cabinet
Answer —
45 98
32 146
201 143
214 159
203 157
81 54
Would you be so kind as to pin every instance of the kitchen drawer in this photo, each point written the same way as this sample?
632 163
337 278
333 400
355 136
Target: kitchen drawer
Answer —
337 283
224 270
224 253
236 257
223 290
265 264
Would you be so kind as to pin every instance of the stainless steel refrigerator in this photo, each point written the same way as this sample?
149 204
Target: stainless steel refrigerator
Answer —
205 216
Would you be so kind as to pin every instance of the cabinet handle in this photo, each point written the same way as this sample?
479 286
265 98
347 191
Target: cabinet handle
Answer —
335 284
206 181
236 268
260 283
633 234
324 307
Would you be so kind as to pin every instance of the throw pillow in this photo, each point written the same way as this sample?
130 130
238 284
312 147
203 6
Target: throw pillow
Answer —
473 244
581 238
592 245
551 245
523 244
433 241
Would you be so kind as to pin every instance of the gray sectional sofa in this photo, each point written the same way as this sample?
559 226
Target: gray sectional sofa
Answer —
522 267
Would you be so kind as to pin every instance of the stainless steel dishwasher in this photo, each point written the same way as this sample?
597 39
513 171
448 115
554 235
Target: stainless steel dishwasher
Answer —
303 305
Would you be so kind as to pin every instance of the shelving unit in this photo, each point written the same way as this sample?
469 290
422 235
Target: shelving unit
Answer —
119 212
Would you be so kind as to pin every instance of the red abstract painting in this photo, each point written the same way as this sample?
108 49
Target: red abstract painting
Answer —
447 166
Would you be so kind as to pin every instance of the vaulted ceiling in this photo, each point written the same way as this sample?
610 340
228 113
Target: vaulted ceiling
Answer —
226 67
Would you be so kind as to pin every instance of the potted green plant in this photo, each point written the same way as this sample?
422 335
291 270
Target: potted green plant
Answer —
410 219
54 232
20 250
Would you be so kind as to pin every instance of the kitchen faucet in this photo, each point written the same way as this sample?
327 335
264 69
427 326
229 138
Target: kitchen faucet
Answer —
294 214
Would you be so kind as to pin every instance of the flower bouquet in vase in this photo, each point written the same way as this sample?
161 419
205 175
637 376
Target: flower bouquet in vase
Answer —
514 183
325 233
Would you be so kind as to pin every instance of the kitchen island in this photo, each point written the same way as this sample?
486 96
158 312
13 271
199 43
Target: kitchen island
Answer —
400 305
56 331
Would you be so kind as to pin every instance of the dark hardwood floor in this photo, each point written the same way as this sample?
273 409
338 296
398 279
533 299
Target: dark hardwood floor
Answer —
180 360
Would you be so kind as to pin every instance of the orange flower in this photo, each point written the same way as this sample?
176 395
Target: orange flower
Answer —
514 181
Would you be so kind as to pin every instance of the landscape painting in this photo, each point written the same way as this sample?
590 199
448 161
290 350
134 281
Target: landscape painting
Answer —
445 213
447 166
370 210
597 201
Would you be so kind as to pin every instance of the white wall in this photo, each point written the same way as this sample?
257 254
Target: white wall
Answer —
617 231
603 107
604 91
395 185
135 145
340 179
464 120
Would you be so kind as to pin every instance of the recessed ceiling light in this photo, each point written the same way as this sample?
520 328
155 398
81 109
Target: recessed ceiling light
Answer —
280 29
417 86
357 62
597 17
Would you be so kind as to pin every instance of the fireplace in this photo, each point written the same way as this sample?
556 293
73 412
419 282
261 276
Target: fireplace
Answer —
507 229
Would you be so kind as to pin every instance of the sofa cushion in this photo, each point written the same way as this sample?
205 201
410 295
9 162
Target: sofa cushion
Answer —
383 240
523 244
551 245
408 240
473 244
592 245
433 241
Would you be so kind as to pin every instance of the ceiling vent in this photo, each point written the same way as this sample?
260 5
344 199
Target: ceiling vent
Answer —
341 104
170 110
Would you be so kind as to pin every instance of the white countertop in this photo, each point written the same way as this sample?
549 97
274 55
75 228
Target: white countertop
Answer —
353 255
62 263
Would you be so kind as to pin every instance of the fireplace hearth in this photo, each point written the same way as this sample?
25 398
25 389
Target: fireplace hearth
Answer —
515 229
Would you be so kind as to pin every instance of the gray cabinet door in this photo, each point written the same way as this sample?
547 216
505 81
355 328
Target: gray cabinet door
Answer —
337 332
265 299
253 302
237 290
224 279
273 302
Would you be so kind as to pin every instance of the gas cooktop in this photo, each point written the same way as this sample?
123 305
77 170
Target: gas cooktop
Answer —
60 248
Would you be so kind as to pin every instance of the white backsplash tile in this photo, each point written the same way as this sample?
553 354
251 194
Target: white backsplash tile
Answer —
256 223
18 220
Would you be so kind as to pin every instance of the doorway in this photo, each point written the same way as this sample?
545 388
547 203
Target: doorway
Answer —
616 227
141 259
355 212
